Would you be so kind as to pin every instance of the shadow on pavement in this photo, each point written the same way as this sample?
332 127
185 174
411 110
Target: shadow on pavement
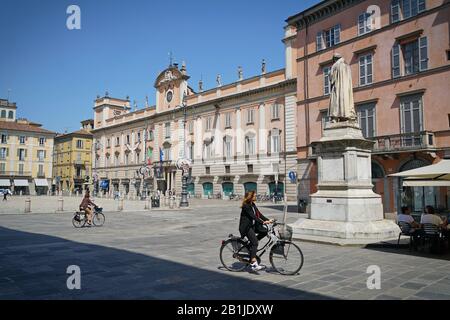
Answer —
403 249
33 266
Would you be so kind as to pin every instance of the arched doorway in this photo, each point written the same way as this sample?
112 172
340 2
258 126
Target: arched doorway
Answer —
250 186
207 189
191 189
227 188
417 197
276 188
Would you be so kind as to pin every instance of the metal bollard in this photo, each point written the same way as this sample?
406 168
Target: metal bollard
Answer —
148 204
61 204
120 205
27 205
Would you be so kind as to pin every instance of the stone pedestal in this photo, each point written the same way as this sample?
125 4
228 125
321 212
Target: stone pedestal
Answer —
345 210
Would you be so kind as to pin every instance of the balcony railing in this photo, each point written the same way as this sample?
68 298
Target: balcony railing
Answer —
404 142
15 173
413 141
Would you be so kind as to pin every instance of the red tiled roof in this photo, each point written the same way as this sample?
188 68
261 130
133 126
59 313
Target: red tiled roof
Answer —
79 132
14 126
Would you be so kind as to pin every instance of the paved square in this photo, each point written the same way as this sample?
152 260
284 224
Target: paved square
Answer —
174 255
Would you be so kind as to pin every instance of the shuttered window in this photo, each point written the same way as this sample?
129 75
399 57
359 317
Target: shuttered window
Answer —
366 118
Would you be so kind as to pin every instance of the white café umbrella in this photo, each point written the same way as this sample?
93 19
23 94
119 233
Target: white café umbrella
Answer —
435 175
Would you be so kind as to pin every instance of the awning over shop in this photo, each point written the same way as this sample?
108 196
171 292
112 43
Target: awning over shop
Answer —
20 183
425 183
5 183
41 182
434 175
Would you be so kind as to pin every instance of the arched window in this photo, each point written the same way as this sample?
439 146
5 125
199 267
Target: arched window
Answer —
227 188
250 144
207 189
3 114
274 141
227 147
11 115
377 171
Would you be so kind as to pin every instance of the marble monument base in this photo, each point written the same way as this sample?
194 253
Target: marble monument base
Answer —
344 232
345 210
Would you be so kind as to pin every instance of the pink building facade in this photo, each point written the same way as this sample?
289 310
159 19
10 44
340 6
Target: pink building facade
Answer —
399 55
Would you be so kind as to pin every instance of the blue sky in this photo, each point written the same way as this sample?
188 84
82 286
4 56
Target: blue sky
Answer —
55 74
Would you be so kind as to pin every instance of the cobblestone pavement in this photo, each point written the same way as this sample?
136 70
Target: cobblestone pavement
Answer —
174 255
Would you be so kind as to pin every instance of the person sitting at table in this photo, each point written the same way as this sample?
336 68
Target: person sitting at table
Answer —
415 229
405 216
430 217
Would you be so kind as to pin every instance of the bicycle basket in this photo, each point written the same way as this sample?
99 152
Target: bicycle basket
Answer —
285 232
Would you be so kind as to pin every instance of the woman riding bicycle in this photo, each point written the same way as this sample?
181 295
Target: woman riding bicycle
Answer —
85 206
251 226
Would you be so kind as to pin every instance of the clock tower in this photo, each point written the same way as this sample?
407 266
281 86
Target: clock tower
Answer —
171 85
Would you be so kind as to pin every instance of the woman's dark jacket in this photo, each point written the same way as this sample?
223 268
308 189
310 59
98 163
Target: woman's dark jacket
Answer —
250 220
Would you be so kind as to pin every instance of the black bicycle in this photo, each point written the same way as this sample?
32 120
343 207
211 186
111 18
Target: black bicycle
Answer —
80 218
285 256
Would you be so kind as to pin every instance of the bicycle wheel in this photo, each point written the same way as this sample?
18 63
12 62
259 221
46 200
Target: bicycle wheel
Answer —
98 219
286 257
234 259
78 222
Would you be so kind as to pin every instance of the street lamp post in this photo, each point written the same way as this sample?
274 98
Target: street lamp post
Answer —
185 169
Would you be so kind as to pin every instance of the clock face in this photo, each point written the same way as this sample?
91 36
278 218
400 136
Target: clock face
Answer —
169 96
